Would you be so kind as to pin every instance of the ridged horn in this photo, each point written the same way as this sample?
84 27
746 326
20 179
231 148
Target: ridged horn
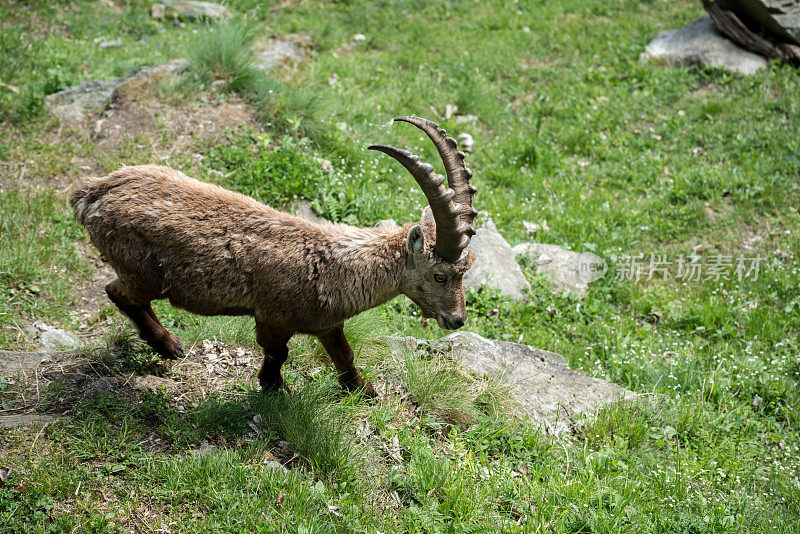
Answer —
451 207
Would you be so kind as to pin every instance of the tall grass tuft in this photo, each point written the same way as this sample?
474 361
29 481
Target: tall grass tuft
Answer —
223 53
316 427
439 387
299 111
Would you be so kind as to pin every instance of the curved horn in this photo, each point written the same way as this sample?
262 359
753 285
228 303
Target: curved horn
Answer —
452 208
458 175
445 212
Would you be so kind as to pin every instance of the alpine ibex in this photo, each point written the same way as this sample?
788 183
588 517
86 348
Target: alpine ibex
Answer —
215 252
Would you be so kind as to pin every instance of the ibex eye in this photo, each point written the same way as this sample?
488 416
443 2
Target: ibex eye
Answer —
439 278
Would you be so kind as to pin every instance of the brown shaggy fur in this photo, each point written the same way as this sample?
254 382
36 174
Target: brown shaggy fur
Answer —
216 252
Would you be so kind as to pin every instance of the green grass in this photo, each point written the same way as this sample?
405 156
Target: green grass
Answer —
617 156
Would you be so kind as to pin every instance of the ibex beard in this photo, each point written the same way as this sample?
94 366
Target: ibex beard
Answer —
216 252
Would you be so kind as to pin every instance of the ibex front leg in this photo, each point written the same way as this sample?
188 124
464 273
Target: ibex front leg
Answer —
275 353
342 355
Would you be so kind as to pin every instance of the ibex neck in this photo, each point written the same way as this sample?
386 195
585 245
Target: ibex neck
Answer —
371 263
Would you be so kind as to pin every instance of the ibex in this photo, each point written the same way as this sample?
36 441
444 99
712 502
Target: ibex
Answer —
216 252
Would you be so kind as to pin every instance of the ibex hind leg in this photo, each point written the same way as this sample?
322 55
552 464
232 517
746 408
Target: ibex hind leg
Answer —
339 350
150 328
276 351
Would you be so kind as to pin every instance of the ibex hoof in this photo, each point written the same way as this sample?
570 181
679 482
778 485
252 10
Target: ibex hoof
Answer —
362 386
169 348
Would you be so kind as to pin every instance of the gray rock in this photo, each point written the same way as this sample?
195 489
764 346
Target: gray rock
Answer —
543 388
303 209
495 266
781 17
700 43
74 103
387 223
532 229
466 142
566 270
13 364
189 9
58 339
12 421
288 51
112 43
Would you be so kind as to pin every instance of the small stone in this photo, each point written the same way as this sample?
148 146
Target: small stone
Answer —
110 44
189 9
218 85
532 229
57 339
465 142
359 37
387 223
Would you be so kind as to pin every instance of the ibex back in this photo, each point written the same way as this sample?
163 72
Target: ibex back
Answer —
215 252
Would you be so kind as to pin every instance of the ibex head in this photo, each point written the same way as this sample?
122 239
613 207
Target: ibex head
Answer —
437 249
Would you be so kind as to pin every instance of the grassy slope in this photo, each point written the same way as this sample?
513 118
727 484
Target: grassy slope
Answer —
618 158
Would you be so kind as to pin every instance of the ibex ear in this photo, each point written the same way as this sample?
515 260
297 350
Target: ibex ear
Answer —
427 216
415 241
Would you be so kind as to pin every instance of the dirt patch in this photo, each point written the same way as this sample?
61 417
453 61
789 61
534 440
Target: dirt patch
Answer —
143 124
148 120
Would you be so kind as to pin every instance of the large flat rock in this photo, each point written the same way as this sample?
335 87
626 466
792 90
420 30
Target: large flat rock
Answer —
13 421
544 389
14 364
699 43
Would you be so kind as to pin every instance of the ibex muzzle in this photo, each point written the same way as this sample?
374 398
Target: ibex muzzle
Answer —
215 252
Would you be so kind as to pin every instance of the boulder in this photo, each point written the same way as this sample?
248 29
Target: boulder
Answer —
189 9
781 17
74 103
544 389
699 43
287 52
565 270
495 266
